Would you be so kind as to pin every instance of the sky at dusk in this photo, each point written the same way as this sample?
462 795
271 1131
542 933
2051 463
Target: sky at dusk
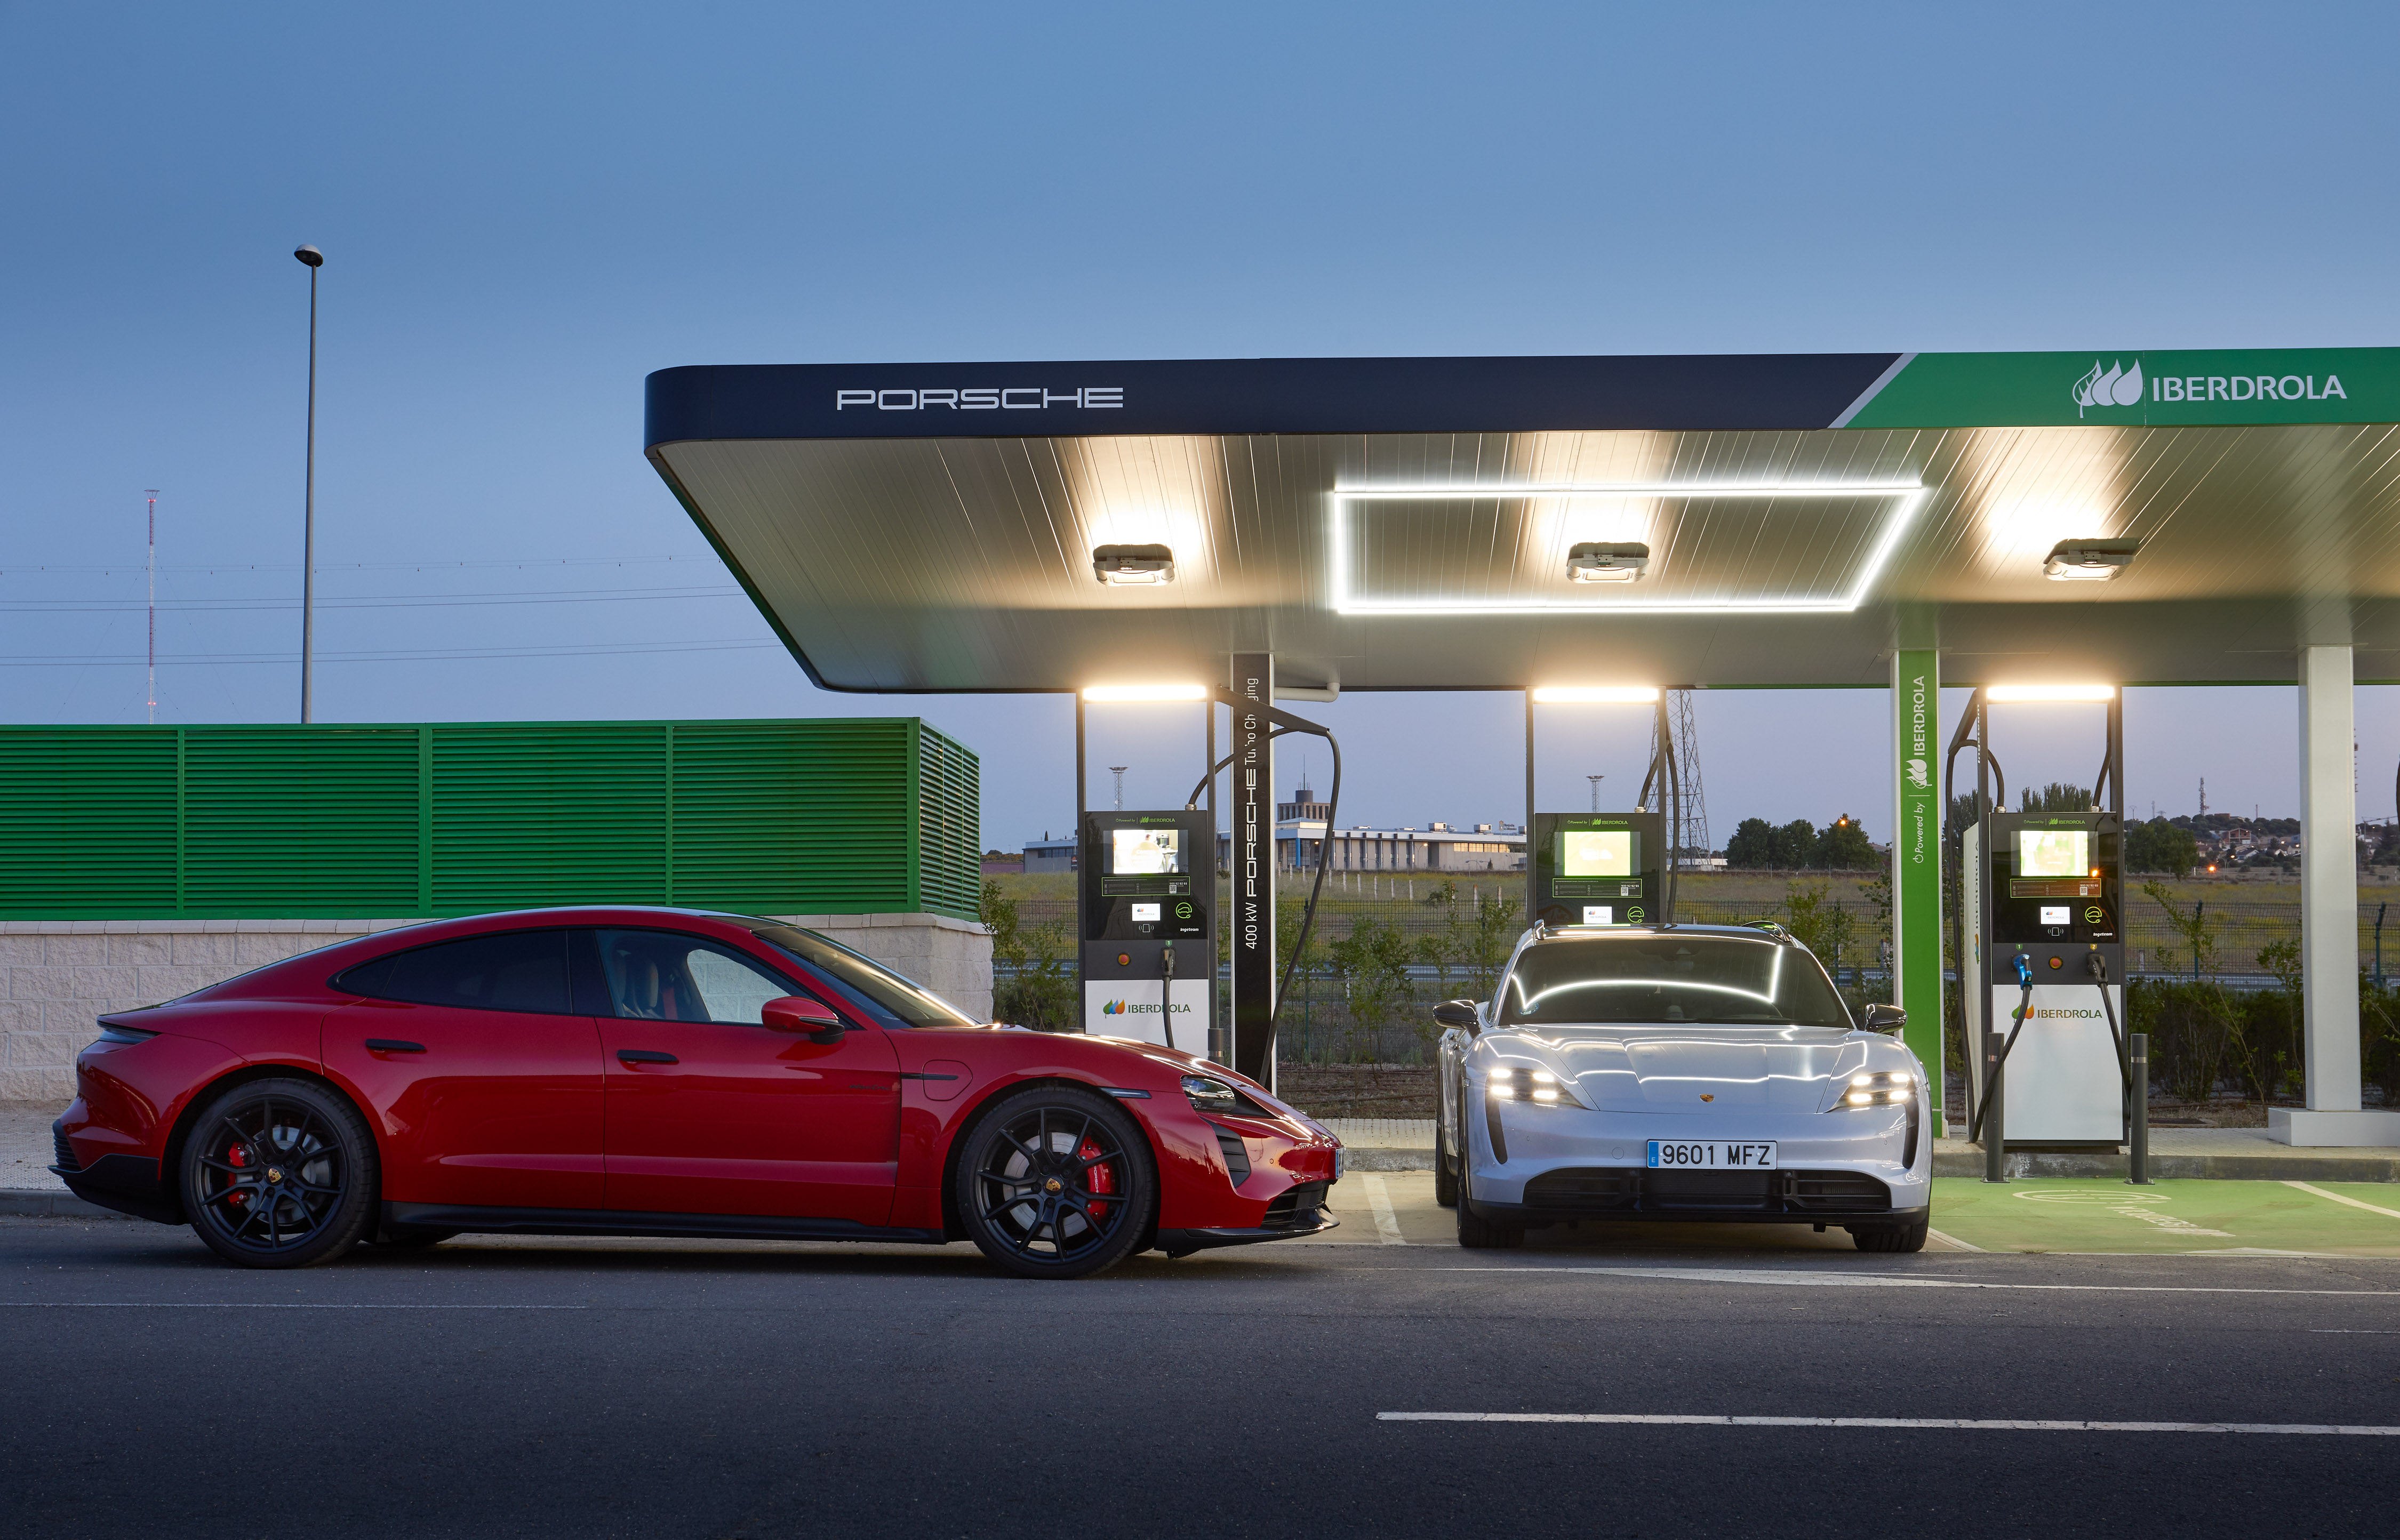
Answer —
526 210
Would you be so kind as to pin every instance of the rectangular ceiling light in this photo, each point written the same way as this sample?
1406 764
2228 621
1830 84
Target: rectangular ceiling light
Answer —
2050 692
1595 694
1904 499
1146 692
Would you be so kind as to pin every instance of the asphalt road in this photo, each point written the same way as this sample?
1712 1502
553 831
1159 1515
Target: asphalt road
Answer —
694 1389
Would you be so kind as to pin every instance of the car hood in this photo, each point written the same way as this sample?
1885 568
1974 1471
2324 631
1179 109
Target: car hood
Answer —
1668 1068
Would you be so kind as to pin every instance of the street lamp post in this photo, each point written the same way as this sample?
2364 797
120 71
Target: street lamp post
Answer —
314 259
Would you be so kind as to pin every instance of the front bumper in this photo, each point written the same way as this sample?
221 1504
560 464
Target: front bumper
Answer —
1787 1196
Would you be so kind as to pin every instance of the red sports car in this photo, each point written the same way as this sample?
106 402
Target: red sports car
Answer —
643 1071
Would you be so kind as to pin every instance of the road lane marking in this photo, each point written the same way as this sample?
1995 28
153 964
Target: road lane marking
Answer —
2388 1213
1974 1424
1885 1280
1953 1241
1387 1224
203 1304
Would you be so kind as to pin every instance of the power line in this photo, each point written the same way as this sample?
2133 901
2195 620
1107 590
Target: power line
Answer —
709 559
373 601
392 655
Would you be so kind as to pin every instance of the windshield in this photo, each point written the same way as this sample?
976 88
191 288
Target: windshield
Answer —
1720 979
866 979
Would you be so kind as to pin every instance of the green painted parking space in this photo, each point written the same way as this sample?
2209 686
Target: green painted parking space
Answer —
2101 1215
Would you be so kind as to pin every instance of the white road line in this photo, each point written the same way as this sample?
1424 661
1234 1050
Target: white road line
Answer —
179 1304
1973 1425
1953 1242
1789 1278
2388 1213
1387 1224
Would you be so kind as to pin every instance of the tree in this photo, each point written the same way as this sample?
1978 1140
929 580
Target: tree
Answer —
1754 846
1844 848
1795 846
1372 964
1031 985
2058 797
1816 921
2158 846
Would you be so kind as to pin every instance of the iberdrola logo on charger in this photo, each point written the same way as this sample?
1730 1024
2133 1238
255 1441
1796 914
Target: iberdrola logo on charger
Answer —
1113 1008
2119 387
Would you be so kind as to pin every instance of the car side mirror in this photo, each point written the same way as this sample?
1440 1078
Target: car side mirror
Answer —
1884 1018
799 1013
1457 1013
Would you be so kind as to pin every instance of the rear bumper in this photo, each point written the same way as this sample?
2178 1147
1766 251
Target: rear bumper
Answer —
123 1184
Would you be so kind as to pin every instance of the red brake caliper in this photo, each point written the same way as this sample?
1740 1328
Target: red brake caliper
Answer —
238 1155
1100 1178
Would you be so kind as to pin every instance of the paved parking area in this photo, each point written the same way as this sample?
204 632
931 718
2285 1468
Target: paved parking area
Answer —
674 1388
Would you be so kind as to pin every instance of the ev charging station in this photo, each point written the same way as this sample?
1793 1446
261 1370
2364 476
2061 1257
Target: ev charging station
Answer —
2044 950
1603 868
1148 890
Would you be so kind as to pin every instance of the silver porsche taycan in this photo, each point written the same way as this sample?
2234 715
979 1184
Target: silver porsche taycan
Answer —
1679 1072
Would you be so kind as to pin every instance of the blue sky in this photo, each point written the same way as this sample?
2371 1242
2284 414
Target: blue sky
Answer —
528 208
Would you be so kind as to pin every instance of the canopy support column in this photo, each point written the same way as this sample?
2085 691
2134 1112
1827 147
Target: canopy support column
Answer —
1253 869
1916 823
2329 915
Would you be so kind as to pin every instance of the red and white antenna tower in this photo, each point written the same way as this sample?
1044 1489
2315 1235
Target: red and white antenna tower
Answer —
153 566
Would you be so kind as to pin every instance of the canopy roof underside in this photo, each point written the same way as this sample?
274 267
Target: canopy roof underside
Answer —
1439 560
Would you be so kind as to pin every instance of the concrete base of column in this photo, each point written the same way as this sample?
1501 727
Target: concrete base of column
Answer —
2314 1130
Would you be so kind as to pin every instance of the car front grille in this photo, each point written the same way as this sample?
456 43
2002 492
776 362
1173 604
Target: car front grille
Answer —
66 1160
1598 1190
1296 1208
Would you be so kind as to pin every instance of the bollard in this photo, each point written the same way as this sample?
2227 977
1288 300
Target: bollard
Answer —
2138 1163
1996 1140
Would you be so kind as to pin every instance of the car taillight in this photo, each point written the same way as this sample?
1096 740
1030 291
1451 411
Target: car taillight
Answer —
1103 1179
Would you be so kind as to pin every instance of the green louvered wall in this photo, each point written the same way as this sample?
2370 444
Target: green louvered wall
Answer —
844 816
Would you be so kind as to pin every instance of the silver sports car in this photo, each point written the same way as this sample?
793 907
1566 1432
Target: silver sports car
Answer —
1679 1072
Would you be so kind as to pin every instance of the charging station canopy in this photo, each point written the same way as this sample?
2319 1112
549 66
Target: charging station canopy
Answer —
1414 523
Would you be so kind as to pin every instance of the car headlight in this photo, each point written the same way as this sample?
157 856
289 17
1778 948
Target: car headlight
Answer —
1539 1086
1881 1089
1210 1096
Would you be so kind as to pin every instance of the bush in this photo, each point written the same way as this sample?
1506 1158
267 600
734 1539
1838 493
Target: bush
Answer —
1033 984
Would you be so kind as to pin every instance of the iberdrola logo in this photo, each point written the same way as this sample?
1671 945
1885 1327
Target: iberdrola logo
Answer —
2119 387
1918 776
1113 1008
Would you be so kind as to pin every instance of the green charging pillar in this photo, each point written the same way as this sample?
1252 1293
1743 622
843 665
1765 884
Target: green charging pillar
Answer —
1916 858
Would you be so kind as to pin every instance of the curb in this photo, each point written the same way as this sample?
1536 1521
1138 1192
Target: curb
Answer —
2038 1163
47 1203
1378 1158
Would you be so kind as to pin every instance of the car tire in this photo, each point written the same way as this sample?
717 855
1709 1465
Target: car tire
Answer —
1477 1233
280 1173
1445 1169
1890 1237
1056 1182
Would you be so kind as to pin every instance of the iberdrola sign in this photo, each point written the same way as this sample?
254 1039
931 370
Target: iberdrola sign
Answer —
2105 389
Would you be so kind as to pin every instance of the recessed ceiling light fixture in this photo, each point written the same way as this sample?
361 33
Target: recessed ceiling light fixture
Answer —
1594 562
1620 695
1133 566
1903 501
2088 561
1146 692
2050 692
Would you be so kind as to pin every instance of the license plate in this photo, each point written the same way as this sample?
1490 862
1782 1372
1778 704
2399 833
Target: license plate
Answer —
1711 1155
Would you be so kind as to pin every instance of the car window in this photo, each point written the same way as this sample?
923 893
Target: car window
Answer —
505 970
664 976
887 995
1669 979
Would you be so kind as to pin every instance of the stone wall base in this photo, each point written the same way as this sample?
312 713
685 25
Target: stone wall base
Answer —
60 974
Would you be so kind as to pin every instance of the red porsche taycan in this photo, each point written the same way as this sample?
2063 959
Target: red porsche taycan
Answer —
644 1071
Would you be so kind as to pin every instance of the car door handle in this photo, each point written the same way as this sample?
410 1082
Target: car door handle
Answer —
393 1045
645 1055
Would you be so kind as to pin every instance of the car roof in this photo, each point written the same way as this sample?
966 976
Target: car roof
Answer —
1769 932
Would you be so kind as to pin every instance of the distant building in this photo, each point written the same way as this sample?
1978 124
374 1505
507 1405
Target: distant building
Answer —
1300 833
1047 855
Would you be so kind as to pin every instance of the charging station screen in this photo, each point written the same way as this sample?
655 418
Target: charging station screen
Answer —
1599 853
1135 853
2053 853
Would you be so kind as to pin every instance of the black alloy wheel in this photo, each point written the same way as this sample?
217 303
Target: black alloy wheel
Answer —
280 1173
1056 1182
